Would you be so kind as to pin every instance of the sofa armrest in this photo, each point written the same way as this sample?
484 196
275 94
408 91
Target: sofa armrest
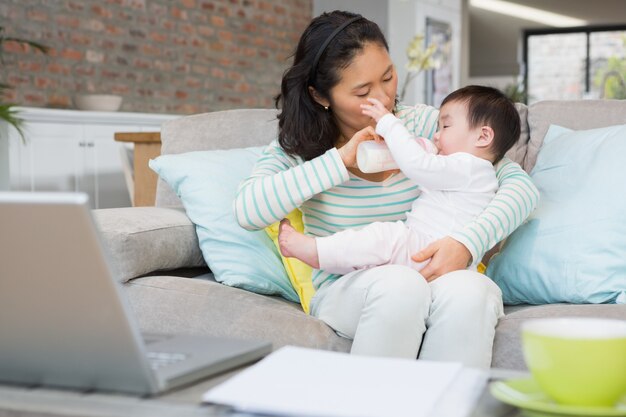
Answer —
141 240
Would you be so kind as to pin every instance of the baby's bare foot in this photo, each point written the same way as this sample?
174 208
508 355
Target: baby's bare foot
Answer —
285 233
294 244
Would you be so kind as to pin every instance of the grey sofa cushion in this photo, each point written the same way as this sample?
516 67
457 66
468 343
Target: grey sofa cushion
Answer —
575 114
200 133
517 152
167 304
507 347
141 240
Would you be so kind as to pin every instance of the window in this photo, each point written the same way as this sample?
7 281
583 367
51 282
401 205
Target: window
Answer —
567 64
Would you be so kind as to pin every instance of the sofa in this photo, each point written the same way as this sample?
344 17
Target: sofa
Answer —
156 256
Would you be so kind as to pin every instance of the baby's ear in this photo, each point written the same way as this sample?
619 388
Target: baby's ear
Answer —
486 137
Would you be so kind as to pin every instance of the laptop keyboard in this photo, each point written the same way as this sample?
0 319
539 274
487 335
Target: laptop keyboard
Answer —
162 359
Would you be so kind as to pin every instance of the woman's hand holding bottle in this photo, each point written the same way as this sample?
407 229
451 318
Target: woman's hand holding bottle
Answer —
348 150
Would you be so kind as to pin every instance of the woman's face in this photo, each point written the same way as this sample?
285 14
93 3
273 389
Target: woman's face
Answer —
371 74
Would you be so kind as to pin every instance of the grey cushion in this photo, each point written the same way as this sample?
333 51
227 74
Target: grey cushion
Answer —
218 130
574 114
167 304
517 152
198 133
145 239
507 347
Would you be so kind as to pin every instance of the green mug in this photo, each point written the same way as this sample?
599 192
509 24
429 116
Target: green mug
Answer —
577 361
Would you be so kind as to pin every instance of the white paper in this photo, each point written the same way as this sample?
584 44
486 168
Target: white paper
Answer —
462 396
307 382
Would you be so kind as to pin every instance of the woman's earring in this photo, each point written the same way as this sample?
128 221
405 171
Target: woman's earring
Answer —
326 108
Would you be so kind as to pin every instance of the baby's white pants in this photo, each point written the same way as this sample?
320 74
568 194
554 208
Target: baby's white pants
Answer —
378 243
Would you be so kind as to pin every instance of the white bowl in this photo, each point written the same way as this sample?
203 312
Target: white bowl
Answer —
98 102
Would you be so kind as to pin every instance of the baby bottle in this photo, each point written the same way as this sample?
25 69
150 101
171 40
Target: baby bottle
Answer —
374 156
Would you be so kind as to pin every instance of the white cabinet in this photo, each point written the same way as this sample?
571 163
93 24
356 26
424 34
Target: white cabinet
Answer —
59 157
68 150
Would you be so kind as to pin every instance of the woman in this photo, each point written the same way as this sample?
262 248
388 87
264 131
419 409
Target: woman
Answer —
443 312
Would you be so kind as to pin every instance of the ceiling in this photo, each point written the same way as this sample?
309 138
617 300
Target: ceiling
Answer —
495 39
596 12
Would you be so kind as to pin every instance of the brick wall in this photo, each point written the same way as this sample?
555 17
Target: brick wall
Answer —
162 56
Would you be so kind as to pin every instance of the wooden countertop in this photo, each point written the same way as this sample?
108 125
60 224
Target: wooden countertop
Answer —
138 137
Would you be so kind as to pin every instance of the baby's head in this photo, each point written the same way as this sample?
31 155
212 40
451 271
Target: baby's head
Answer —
478 120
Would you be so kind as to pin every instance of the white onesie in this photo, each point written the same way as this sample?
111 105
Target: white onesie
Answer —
455 189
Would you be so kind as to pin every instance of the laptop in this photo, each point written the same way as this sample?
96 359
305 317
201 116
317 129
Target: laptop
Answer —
64 321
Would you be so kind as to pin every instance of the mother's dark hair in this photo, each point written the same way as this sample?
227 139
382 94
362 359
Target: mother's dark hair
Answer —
305 128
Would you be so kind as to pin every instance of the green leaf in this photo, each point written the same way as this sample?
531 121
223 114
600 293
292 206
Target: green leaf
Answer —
9 115
7 110
24 42
36 45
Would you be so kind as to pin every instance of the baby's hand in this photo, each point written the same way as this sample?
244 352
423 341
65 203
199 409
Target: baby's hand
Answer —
376 110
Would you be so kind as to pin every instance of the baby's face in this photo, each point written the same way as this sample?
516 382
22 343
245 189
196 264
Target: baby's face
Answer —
454 134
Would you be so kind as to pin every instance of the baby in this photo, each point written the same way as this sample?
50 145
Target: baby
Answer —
477 126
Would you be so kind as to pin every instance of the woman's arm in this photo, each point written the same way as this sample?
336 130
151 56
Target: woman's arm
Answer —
421 119
516 198
279 183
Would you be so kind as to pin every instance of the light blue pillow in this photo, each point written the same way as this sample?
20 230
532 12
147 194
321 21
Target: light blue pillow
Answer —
206 182
573 247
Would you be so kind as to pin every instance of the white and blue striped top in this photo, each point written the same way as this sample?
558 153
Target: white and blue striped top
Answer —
332 199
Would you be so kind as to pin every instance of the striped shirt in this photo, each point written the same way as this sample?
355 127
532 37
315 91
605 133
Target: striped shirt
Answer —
333 199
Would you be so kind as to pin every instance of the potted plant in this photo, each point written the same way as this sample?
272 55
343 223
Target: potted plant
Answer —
611 80
7 110
515 91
